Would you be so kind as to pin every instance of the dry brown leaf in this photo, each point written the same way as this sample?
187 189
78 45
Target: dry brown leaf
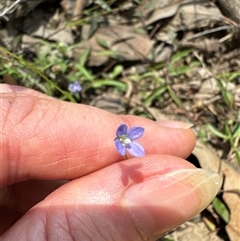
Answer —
206 157
209 160
189 16
204 45
197 15
160 10
187 13
231 8
232 182
123 40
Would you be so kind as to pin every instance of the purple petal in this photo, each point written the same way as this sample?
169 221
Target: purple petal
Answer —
74 87
120 148
136 149
135 132
121 130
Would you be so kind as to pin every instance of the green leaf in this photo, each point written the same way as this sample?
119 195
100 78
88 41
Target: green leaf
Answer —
166 238
117 71
102 43
103 5
85 72
216 132
155 95
137 1
236 131
221 209
182 69
227 96
234 75
174 97
101 83
84 57
180 55
38 72
94 25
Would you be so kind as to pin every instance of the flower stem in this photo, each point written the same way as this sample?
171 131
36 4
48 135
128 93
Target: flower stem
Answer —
126 157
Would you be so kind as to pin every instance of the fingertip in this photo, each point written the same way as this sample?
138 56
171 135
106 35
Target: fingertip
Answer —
162 202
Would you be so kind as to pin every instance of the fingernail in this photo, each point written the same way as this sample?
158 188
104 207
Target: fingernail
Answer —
174 124
161 203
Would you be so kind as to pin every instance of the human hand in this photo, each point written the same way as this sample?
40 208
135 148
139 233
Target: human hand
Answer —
44 141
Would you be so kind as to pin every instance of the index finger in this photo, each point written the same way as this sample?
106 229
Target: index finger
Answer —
45 138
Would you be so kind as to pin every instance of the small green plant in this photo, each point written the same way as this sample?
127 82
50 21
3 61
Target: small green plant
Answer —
221 209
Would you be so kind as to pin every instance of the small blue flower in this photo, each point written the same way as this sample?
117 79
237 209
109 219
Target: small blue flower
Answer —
74 87
125 140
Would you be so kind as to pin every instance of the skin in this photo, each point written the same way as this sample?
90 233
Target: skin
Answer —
62 178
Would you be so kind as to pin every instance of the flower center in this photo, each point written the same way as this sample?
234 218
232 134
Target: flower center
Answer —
125 140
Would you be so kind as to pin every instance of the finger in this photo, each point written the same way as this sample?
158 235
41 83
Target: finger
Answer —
138 199
51 139
17 199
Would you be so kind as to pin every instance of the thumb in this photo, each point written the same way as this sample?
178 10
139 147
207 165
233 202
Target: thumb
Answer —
138 199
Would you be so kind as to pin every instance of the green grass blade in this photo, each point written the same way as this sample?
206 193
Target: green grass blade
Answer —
84 57
236 131
85 72
155 95
233 137
180 55
174 97
227 97
216 132
101 83
33 68
182 69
